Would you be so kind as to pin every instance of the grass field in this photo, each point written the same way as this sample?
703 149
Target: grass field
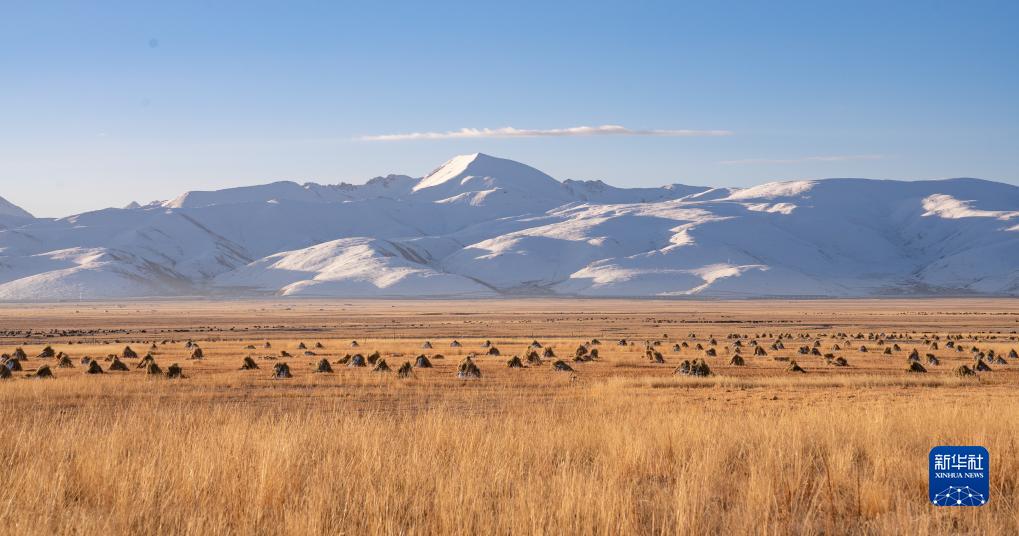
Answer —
621 445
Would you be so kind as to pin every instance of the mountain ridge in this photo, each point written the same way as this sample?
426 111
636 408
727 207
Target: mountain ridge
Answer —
481 226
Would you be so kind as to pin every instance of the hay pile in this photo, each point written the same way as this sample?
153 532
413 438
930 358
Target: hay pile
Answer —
561 366
281 371
515 362
697 367
493 351
357 361
324 366
94 368
43 372
5 373
533 358
174 371
65 362
422 362
249 364
128 353
152 369
118 366
963 370
381 366
467 369
737 361
981 366
197 353
405 370
20 354
549 353
426 346
47 352
795 367
915 366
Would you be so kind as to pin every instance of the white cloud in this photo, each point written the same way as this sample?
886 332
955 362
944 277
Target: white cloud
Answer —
828 158
510 132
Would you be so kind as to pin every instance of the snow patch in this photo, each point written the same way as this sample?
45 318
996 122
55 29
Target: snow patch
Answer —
774 208
772 190
948 207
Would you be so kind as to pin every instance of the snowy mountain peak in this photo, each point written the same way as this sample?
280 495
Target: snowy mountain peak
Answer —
451 169
11 210
462 170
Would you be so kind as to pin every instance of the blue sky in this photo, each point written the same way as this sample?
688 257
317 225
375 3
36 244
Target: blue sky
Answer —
102 105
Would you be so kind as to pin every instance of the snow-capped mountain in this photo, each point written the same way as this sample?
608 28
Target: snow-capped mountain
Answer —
480 226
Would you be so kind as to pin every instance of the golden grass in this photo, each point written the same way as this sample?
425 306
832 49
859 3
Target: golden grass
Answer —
605 463
621 447
803 382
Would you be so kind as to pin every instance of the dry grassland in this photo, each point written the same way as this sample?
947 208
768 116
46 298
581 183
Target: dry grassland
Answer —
620 446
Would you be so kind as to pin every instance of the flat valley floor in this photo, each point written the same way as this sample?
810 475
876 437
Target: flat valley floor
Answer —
622 444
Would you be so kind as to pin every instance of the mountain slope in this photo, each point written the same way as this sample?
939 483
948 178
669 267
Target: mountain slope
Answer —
485 226
9 210
351 267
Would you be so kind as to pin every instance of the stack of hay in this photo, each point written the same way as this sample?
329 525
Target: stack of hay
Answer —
467 369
